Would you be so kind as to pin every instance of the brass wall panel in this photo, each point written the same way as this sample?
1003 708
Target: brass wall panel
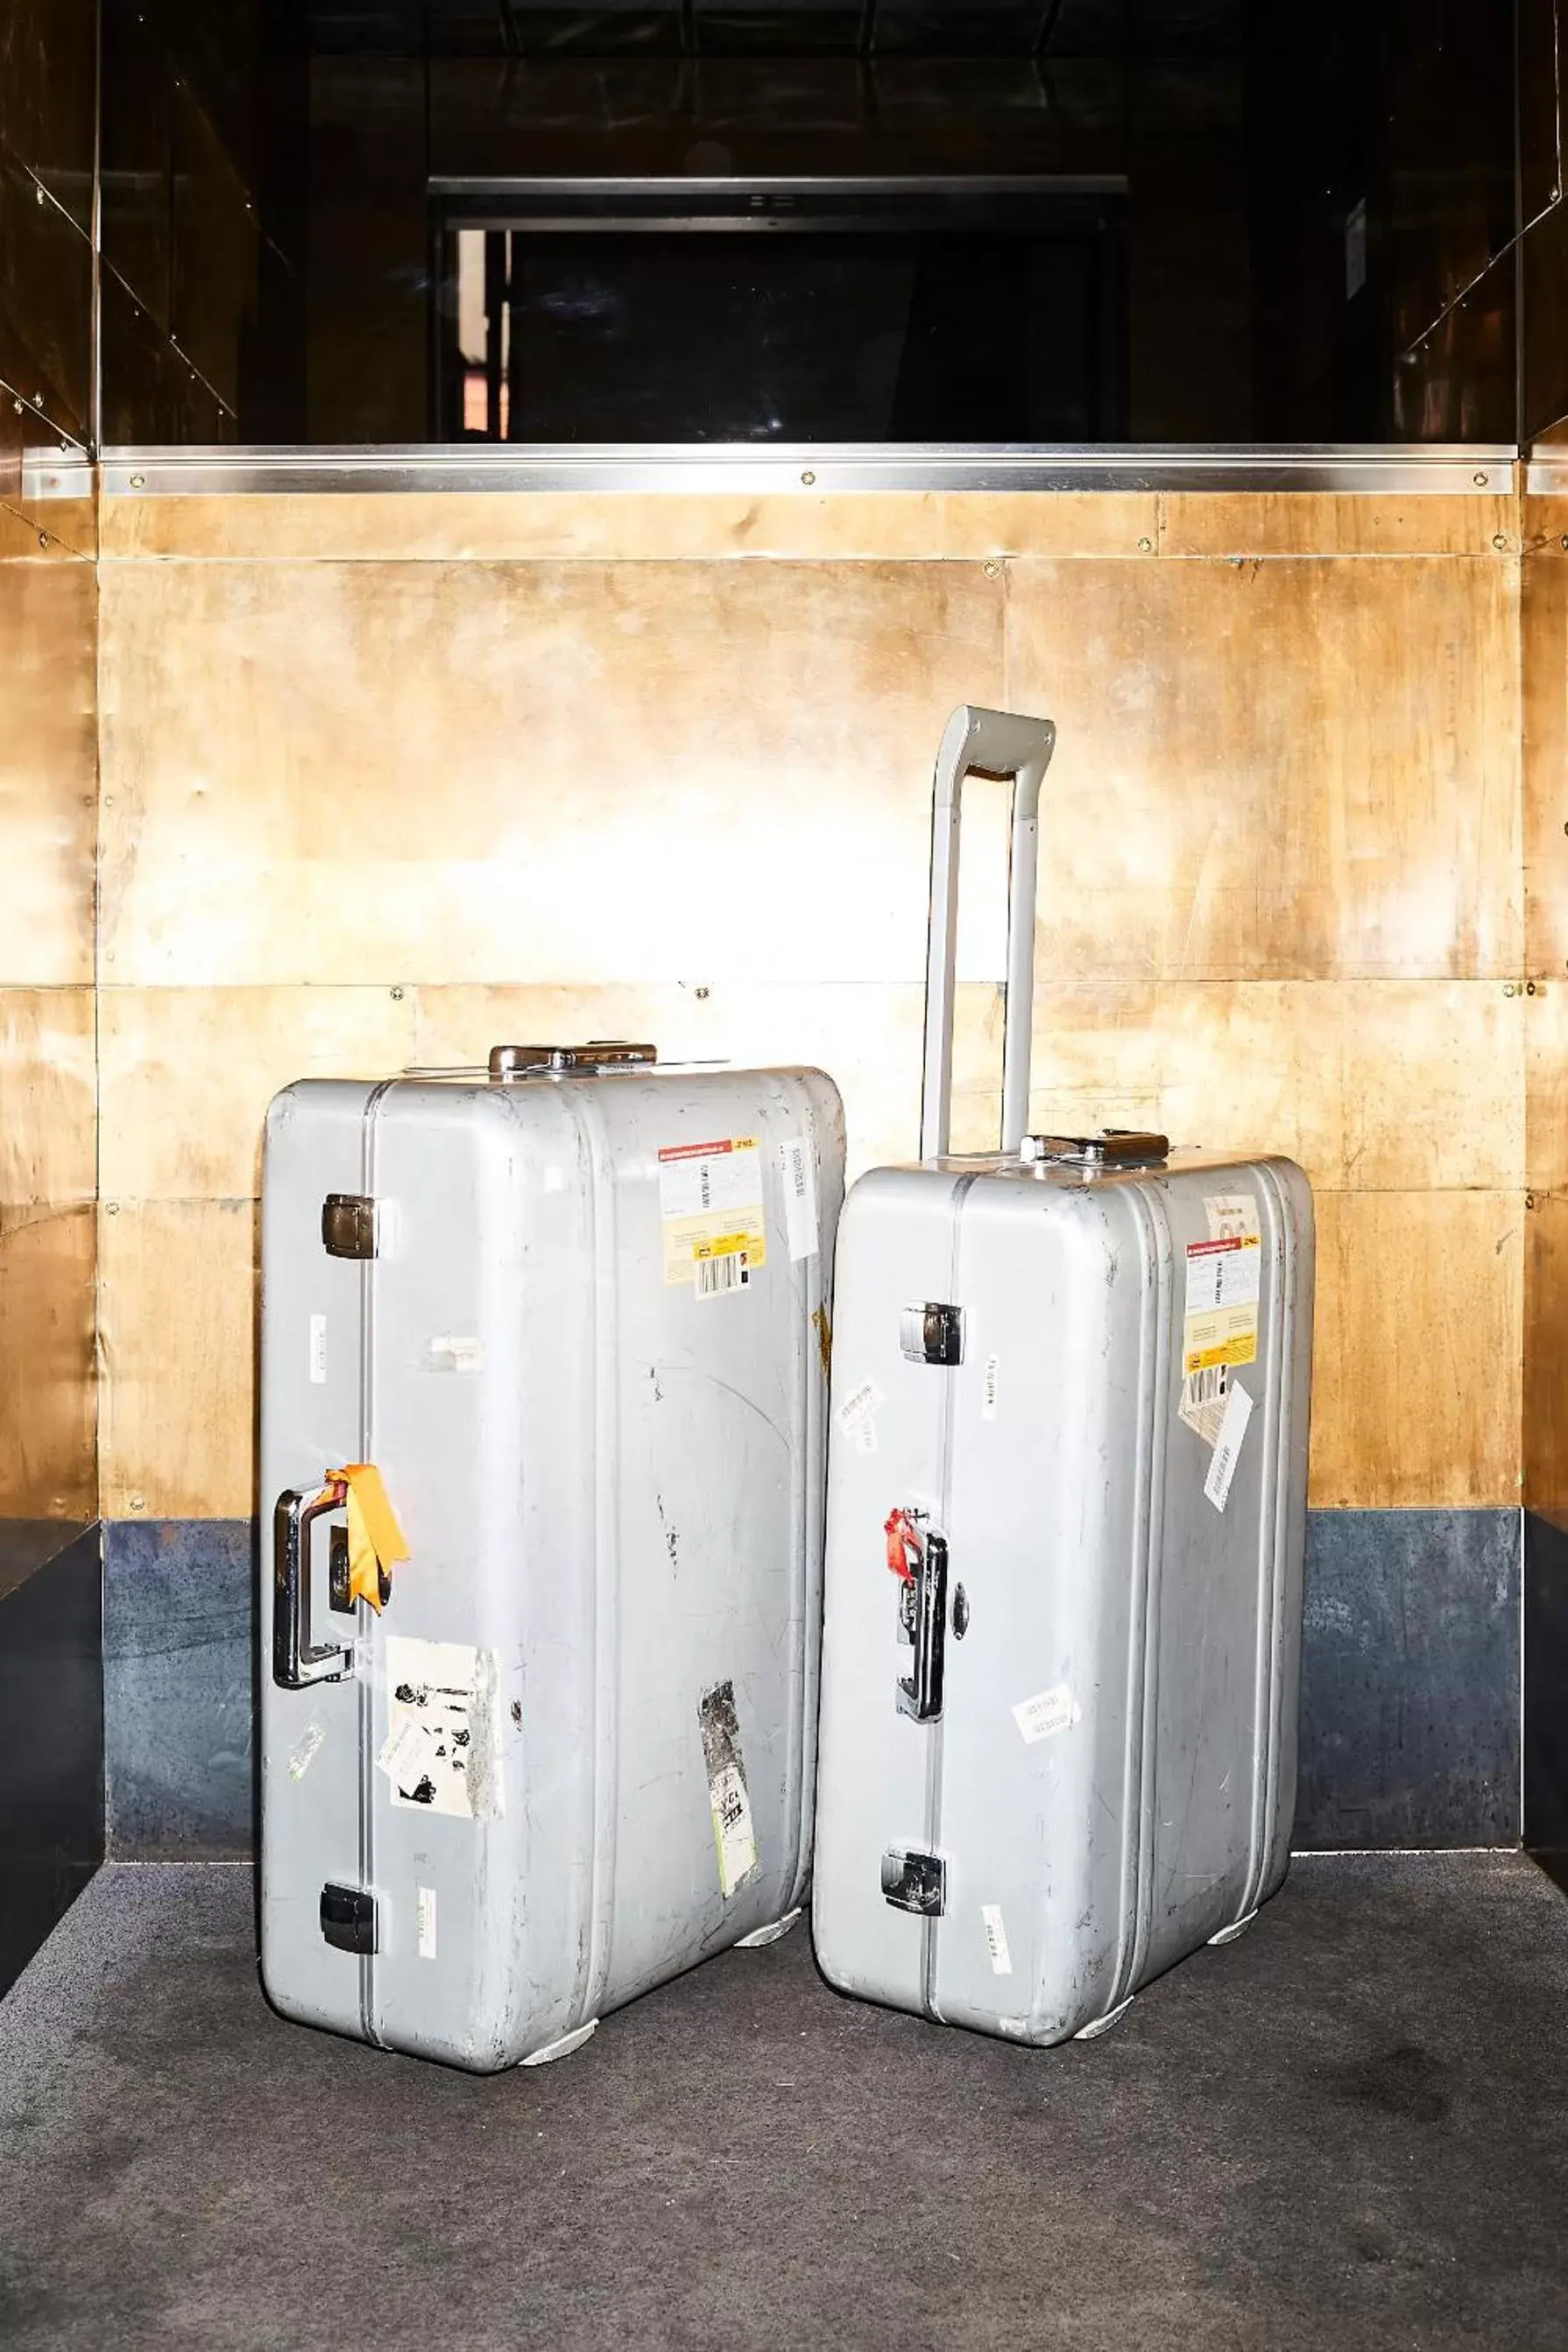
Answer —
342 773
1416 1374
1373 1085
48 58
47 1396
48 1120
1296 522
46 323
57 529
177 1344
48 765
457 526
188 1073
1544 629
1546 1358
1276 769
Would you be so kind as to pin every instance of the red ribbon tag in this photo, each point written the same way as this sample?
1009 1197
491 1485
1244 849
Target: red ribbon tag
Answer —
903 1545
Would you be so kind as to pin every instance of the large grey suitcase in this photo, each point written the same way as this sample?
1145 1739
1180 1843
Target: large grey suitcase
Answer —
1057 1743
574 1317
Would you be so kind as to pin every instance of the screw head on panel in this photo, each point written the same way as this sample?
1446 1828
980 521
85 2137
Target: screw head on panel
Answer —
1509 988
808 479
1480 481
1146 547
397 995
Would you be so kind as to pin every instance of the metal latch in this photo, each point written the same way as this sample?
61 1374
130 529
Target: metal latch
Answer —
348 1919
348 1225
932 1333
1109 1148
915 1882
509 1062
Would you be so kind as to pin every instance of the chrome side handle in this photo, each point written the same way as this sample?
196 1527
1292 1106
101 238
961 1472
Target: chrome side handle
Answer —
297 1661
923 1609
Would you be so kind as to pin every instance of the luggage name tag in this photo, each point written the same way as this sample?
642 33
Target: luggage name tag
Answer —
375 1541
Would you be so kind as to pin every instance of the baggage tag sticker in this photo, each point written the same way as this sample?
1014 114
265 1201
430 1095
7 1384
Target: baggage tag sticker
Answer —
1219 1329
712 1216
734 1838
996 1939
424 1917
440 1752
797 1174
857 1416
1228 1445
1049 1712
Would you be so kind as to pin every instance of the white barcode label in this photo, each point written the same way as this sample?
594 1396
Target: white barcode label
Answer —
798 1173
318 1350
997 1938
425 1912
988 1394
716 1278
1049 1712
1228 1446
1208 1387
858 1415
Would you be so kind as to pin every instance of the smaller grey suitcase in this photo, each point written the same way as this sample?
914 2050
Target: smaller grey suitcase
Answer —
1058 1741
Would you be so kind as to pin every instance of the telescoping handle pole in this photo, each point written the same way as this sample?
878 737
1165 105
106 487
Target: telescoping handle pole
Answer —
996 743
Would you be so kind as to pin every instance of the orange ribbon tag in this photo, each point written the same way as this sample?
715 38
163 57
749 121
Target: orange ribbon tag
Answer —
375 1540
903 1545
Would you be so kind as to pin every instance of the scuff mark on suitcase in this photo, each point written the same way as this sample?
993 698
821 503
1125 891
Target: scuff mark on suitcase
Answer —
823 1326
304 1754
671 1536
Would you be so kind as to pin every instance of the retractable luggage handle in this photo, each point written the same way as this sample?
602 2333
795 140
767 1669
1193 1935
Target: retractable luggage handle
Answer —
996 744
296 1660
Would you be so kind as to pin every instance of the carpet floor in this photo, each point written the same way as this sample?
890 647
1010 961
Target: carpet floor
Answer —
1348 2129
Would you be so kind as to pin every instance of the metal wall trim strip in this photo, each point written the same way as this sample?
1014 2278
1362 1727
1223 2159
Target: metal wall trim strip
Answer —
744 468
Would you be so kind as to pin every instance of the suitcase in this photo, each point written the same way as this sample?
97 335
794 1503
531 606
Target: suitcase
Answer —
1058 1742
573 1311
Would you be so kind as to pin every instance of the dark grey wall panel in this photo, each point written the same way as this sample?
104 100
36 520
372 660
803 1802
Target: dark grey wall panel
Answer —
1410 1732
51 1746
179 1688
1545 1686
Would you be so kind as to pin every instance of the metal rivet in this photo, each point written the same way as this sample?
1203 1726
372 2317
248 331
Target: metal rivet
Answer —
992 569
17 406
38 195
808 479
398 996
1509 989
112 1208
138 1502
43 539
702 994
138 481
1529 1200
1499 541
1146 547
1480 481
1530 988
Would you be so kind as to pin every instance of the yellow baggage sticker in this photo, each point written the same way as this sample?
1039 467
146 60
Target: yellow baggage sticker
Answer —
1225 1282
711 1214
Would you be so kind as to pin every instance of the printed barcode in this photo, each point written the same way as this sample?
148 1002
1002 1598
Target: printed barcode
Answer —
715 1276
1205 1387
